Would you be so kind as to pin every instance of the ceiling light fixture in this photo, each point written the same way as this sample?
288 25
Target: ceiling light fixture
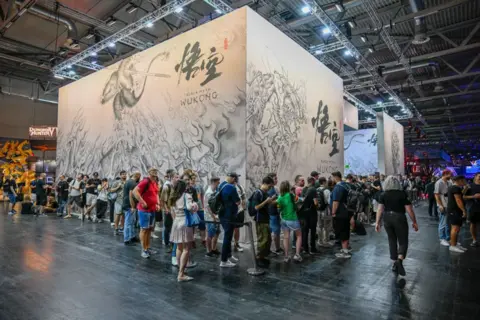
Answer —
218 11
340 7
111 21
179 9
94 62
150 25
111 44
371 49
71 72
352 24
390 98
319 51
89 35
56 76
306 9
22 11
347 53
132 8
93 54
69 66
364 38
326 30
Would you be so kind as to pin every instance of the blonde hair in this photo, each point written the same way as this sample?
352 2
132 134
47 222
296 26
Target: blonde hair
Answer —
27 198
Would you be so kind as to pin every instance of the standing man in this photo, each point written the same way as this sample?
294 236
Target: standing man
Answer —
41 193
432 203
299 184
473 197
315 175
242 206
91 189
274 215
171 179
376 191
213 230
9 189
129 208
146 192
76 187
340 214
309 216
441 193
262 201
117 188
231 201
62 192
456 212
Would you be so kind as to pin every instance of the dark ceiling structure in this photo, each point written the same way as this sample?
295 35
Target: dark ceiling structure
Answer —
417 60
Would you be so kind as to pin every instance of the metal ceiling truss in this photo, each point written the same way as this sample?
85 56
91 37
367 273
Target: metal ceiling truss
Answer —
325 48
322 16
127 31
220 6
11 19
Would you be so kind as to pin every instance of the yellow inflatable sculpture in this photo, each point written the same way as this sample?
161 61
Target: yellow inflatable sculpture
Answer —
15 154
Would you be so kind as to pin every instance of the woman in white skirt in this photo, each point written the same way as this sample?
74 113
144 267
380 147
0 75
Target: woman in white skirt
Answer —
182 235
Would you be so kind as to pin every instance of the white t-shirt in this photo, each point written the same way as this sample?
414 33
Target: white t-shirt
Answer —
208 213
102 193
74 192
441 188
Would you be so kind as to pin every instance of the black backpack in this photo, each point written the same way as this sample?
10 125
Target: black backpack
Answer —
322 204
215 202
252 212
353 198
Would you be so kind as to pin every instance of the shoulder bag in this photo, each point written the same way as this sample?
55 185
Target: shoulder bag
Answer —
192 219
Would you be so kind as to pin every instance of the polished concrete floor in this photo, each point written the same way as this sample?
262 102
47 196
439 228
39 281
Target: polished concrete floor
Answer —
56 269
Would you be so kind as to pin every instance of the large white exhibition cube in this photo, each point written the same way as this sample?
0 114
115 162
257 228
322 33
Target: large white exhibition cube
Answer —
391 154
235 94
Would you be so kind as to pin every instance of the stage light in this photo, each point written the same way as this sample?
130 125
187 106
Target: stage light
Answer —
71 72
179 9
352 24
318 51
89 35
111 21
94 62
326 30
69 66
390 98
347 53
111 44
371 49
306 9
150 25
364 38
379 103
218 11
93 54
56 76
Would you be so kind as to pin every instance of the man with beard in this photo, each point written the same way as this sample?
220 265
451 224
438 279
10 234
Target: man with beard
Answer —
129 209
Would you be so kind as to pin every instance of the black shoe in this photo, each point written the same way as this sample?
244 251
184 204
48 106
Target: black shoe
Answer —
210 255
216 252
400 268
129 243
135 239
395 267
262 263
89 219
116 232
314 251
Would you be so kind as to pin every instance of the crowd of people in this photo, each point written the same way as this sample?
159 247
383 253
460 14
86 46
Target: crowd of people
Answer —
311 212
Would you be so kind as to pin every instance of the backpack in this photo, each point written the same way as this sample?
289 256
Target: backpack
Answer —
215 202
252 212
322 204
353 198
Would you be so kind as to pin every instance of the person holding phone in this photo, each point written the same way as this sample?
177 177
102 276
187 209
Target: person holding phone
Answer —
393 203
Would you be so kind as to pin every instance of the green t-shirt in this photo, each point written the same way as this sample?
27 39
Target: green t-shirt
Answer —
286 207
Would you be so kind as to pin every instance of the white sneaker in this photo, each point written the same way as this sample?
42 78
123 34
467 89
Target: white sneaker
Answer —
154 236
456 249
145 255
11 213
174 261
191 264
227 264
112 224
444 242
233 259
459 246
344 254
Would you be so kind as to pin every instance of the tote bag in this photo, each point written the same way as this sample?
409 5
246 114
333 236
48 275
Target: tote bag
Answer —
192 219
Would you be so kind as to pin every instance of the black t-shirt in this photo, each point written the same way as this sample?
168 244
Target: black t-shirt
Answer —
7 186
39 189
129 186
474 204
394 200
27 208
90 189
309 194
262 214
62 189
452 206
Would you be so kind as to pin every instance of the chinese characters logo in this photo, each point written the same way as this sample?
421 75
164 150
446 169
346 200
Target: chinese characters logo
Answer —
193 61
373 139
325 129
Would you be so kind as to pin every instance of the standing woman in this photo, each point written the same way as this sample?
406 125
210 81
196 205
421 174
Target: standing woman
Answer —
393 203
181 235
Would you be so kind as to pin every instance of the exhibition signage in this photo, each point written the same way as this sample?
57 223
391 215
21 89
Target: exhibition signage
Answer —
42 132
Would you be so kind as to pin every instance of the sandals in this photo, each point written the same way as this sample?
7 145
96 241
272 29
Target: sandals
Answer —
184 279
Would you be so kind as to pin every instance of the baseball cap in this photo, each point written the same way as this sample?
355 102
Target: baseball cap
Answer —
233 175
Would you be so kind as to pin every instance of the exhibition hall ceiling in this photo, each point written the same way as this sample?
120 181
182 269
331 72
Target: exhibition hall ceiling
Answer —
426 52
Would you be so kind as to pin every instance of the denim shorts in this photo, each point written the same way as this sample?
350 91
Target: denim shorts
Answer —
291 225
201 214
12 198
145 219
275 225
213 229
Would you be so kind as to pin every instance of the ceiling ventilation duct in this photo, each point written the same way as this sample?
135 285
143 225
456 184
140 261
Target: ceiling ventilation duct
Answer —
72 37
420 23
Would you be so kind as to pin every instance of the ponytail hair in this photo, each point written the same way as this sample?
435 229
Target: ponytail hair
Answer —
178 191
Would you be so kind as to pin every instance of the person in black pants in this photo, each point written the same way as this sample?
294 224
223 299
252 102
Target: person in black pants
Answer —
432 203
309 216
393 203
